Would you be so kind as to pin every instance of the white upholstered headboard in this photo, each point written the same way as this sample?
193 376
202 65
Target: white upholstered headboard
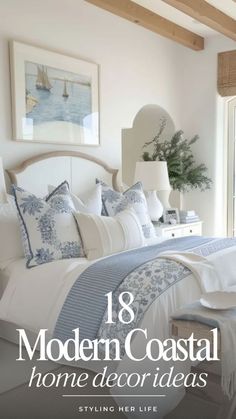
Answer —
79 169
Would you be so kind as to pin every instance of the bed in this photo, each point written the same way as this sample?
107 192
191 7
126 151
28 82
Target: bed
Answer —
33 298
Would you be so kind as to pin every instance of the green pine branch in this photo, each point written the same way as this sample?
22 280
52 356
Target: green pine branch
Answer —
184 173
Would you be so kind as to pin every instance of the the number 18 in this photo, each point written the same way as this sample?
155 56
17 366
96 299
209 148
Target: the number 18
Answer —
125 307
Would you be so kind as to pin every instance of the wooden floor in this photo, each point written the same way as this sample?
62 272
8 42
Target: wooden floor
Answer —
29 403
42 403
191 407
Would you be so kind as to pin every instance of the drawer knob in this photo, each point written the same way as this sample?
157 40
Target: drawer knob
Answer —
191 231
173 234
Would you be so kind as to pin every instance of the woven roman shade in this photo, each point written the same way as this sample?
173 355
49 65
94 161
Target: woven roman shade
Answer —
227 73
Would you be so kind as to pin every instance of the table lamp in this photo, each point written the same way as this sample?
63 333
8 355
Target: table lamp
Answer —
154 177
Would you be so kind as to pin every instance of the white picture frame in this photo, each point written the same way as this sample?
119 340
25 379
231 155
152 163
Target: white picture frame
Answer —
171 216
55 98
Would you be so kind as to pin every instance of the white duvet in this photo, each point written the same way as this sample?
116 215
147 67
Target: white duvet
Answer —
33 299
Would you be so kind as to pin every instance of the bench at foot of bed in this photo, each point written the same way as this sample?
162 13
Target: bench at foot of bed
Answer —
212 393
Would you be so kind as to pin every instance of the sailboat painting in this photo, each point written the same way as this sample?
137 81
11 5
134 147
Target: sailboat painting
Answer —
42 81
65 93
56 97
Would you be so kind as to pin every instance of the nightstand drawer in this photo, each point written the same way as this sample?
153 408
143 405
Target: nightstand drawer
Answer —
172 233
168 231
195 230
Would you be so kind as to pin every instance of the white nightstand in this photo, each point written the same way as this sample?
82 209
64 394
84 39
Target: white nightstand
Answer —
179 230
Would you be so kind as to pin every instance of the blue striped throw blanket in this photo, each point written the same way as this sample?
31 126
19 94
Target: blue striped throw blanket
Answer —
85 305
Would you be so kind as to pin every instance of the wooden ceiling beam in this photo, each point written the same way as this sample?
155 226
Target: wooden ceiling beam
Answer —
152 21
207 14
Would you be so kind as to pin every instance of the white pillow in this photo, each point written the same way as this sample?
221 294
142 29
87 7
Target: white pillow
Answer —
114 202
10 237
103 235
92 204
48 229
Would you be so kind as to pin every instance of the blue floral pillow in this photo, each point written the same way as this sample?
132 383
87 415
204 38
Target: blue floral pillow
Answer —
115 202
48 228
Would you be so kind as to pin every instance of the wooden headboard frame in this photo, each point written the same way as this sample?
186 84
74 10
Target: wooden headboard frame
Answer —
29 162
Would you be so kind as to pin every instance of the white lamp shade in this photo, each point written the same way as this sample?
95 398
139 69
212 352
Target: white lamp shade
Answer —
3 195
153 175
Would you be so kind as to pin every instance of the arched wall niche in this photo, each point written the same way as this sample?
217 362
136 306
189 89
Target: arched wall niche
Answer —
146 124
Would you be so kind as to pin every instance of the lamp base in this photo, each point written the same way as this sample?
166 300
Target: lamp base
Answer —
164 197
155 206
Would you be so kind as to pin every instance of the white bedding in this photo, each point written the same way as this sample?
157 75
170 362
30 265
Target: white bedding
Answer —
4 278
33 299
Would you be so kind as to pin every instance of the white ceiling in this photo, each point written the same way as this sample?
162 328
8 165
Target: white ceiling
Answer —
169 12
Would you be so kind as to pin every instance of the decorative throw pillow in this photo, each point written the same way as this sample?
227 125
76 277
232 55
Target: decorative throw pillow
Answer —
114 202
48 228
10 238
103 236
92 204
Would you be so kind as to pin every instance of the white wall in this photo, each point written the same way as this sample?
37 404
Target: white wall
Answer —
136 66
202 112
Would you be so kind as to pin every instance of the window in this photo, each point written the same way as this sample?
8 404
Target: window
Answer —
232 168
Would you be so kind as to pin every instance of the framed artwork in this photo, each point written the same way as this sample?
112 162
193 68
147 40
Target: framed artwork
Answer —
55 97
171 216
